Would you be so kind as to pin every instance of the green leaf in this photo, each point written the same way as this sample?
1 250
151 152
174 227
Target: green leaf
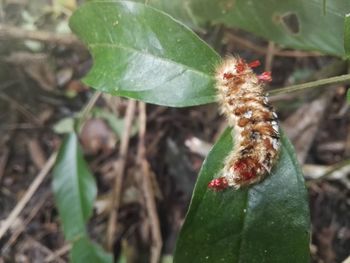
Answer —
65 125
268 222
75 191
347 35
74 188
142 53
84 250
300 24
348 95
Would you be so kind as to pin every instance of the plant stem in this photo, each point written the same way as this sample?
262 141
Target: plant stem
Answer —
334 168
312 84
84 113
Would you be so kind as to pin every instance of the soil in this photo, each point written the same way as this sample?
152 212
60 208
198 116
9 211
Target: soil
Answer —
33 100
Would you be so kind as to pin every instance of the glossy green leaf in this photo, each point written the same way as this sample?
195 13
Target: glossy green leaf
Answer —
145 54
347 35
268 222
74 188
75 191
301 24
84 251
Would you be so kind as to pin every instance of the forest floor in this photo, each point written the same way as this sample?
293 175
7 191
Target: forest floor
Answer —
38 103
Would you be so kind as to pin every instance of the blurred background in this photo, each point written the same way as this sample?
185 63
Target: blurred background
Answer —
41 92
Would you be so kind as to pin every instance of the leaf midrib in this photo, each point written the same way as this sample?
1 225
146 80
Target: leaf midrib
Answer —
77 184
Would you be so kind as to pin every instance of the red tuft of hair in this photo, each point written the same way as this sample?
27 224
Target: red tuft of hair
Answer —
228 75
265 76
240 66
254 64
218 184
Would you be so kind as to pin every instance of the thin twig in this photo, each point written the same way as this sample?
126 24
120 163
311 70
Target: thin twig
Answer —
32 214
27 196
3 160
120 166
36 153
28 114
313 84
148 189
45 249
60 252
269 56
347 260
333 168
333 69
141 150
84 113
12 32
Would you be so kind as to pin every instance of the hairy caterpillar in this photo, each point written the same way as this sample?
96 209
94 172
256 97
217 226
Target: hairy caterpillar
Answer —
256 135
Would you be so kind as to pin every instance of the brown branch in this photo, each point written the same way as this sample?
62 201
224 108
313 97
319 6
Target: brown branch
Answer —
84 113
3 160
44 249
28 195
13 32
34 211
119 169
147 189
269 56
23 110
60 252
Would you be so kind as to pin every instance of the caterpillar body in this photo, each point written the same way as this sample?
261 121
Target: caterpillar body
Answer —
256 133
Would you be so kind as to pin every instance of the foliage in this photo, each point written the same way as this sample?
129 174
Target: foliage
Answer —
75 191
300 24
147 64
265 223
347 36
140 52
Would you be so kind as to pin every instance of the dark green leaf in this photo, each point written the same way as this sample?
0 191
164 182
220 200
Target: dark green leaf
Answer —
74 188
142 53
268 222
75 192
347 36
348 95
84 251
299 24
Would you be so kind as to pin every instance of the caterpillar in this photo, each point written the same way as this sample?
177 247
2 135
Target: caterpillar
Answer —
256 134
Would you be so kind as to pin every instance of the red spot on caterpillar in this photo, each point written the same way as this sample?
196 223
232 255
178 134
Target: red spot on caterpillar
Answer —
218 184
240 67
247 175
246 168
240 166
254 64
265 76
228 75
